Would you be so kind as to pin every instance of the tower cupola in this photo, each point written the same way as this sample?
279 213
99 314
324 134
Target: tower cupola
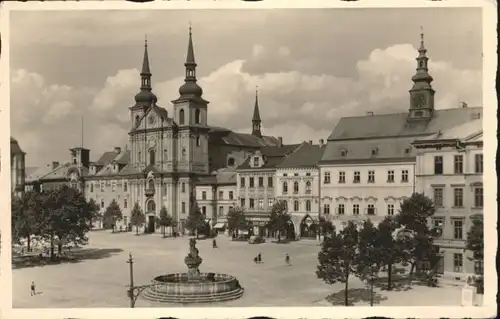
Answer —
145 95
190 88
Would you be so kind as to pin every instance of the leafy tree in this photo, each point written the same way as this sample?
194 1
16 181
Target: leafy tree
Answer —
389 248
338 257
137 217
65 217
326 226
112 214
413 217
236 220
25 217
475 240
195 220
165 220
279 218
368 260
94 210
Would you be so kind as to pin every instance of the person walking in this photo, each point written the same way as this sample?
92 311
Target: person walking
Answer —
259 258
33 291
287 260
214 243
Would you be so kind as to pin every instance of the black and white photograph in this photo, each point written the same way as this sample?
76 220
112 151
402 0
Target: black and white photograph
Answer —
250 157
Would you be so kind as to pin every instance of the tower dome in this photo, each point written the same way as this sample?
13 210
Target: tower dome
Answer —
190 88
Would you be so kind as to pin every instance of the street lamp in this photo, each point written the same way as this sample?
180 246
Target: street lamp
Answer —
133 292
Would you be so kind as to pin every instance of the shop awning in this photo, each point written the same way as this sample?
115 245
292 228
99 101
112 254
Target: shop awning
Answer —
219 225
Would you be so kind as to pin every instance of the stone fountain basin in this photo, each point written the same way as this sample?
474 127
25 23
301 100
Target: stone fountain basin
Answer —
180 284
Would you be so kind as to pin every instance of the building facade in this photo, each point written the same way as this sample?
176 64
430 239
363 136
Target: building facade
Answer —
18 169
298 184
450 171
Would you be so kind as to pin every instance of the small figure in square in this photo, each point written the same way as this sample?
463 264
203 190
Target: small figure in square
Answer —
33 291
259 258
255 259
287 260
214 243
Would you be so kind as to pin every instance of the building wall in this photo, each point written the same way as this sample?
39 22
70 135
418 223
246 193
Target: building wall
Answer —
448 215
263 196
18 173
381 193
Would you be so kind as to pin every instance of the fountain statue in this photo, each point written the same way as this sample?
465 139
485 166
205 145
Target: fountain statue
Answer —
193 286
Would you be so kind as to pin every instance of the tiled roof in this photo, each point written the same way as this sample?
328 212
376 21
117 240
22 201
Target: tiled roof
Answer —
123 158
273 155
462 131
306 155
34 173
129 169
385 125
222 177
222 136
106 158
61 171
14 147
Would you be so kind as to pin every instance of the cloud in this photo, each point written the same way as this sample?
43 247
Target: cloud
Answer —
293 104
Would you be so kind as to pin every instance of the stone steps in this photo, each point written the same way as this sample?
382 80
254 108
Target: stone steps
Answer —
185 299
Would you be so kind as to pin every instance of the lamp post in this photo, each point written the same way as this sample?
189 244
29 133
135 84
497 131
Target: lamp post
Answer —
130 291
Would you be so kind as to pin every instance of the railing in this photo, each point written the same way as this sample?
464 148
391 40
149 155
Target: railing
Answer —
149 191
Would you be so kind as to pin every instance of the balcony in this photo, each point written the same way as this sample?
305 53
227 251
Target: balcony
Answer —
149 192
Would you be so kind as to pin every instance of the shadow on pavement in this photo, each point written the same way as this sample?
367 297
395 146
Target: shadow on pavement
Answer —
355 296
70 257
397 283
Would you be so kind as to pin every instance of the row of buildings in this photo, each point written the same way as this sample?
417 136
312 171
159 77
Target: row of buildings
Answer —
364 169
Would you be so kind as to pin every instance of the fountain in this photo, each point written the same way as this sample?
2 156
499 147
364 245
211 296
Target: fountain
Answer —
193 286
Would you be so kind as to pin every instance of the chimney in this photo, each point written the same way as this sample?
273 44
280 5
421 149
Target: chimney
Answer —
118 150
463 104
369 113
321 142
310 142
55 165
280 142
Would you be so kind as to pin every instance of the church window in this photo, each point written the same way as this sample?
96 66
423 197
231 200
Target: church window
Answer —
152 157
181 116
151 184
125 187
421 64
92 188
343 153
139 156
230 161
197 116
74 160
198 141
256 161
183 187
137 119
151 120
183 154
165 155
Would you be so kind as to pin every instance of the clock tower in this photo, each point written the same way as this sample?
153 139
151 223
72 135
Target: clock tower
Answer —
422 93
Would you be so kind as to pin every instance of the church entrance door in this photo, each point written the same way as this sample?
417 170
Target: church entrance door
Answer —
151 224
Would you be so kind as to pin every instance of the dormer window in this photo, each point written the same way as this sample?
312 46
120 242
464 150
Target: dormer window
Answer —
256 161
230 161
115 167
137 119
374 151
407 150
343 153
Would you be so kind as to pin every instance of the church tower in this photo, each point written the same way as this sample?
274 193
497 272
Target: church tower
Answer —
422 93
190 114
256 117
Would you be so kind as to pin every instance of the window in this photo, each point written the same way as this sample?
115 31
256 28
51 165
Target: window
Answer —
357 177
165 155
183 187
374 151
270 181
242 181
102 203
478 163
390 177
285 188
326 209
261 181
478 197
404 176
308 187
183 207
295 205
252 203
125 220
251 183
92 187
341 177
390 209
308 174
181 117
137 120
371 176
203 210
242 202
139 156
437 224
197 116
102 186
295 187
458 229
256 161
198 141
270 202
231 195
371 209
457 262
221 211
438 165
355 209
230 161
203 195
343 153
151 157
458 197
295 174
478 267
285 174
438 197
326 179
458 164
308 205
113 187
125 187
221 194
151 184
341 209
261 203
125 203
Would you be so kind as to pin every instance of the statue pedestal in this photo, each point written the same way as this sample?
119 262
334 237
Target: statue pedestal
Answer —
467 296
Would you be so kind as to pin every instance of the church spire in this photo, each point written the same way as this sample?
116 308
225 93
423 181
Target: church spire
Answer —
422 78
256 116
145 95
190 87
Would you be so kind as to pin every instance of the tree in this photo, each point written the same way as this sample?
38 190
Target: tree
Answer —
338 257
326 226
368 258
418 241
279 218
195 220
25 217
137 217
112 214
475 243
94 208
389 248
65 217
236 220
165 220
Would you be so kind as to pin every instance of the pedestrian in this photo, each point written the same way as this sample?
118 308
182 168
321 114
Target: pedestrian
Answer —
287 259
33 292
214 243
259 258
255 259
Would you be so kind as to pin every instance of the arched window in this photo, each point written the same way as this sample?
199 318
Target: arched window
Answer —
151 184
183 154
285 187
181 116
308 187
308 205
74 161
91 188
198 141
183 187
151 206
139 157
137 119
151 157
197 116
296 206
230 161
295 187
165 158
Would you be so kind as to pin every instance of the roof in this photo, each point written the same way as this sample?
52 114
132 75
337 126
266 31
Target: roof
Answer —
395 124
471 131
62 171
106 158
14 147
306 155
219 178
273 155
222 136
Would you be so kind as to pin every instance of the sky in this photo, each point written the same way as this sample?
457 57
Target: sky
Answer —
311 66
